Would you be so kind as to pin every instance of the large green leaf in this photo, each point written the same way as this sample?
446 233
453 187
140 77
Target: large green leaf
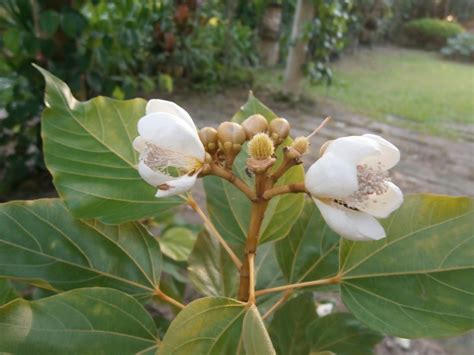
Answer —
289 324
343 334
230 209
88 150
254 334
211 270
310 251
7 291
89 321
177 243
210 325
42 243
417 282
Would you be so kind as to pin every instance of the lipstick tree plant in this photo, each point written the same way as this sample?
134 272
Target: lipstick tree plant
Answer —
123 274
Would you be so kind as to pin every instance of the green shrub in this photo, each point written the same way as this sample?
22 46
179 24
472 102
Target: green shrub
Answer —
430 33
460 47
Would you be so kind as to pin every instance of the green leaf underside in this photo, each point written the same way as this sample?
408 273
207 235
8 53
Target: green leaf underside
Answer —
289 324
40 242
217 325
7 291
210 325
417 282
177 243
255 337
229 208
310 251
342 334
211 271
88 150
94 320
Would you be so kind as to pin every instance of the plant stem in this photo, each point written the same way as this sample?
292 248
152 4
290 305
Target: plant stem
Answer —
278 303
251 299
256 218
332 280
284 189
285 165
168 299
236 181
212 230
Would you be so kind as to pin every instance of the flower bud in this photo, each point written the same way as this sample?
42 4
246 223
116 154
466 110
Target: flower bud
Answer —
255 124
231 136
279 130
301 144
208 136
324 147
261 147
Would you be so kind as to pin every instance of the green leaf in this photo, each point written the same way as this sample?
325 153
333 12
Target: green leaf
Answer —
89 320
210 325
177 243
73 23
7 291
88 150
49 22
229 208
289 324
211 271
254 334
41 243
342 334
417 282
310 252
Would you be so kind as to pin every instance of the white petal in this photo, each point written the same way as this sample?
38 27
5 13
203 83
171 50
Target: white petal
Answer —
139 144
389 154
331 177
381 206
350 224
157 105
353 148
167 132
154 178
178 186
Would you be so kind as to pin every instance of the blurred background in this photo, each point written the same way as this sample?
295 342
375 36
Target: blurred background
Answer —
403 69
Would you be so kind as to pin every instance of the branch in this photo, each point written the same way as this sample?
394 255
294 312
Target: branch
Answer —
212 230
284 189
333 280
233 179
168 299
278 303
251 259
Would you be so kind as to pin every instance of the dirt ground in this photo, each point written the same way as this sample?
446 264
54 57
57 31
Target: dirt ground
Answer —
428 164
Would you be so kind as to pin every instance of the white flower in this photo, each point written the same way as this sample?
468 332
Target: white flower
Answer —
171 153
324 309
350 185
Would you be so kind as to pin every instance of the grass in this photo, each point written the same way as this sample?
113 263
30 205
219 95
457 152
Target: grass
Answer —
419 87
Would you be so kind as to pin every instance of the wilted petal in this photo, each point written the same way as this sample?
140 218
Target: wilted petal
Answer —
349 224
163 130
389 154
331 177
381 206
154 178
178 186
157 105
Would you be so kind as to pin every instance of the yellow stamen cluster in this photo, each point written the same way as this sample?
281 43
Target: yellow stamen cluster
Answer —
261 147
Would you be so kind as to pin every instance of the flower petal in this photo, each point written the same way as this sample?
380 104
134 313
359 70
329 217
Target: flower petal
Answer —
349 224
389 154
157 105
381 206
139 144
331 177
154 178
178 186
353 148
167 132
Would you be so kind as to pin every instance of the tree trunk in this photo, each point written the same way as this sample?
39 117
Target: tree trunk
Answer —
297 54
270 35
